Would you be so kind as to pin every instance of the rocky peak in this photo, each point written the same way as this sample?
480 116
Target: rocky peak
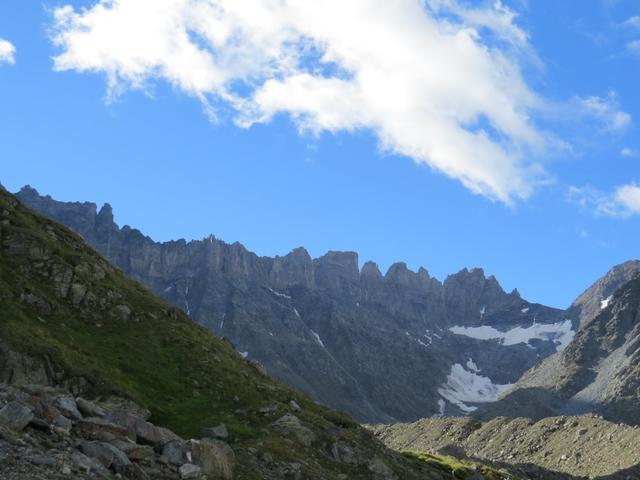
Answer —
336 270
400 274
370 270
295 268
470 294
105 215
588 305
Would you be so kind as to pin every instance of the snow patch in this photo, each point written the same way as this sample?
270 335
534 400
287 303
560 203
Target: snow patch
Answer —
483 310
471 365
463 386
422 343
560 333
244 354
525 310
441 406
279 294
605 303
296 312
318 339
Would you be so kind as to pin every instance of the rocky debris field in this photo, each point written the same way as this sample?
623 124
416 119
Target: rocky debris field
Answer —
584 446
47 433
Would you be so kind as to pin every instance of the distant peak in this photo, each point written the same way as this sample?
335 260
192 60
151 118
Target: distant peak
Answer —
370 269
344 258
29 190
299 252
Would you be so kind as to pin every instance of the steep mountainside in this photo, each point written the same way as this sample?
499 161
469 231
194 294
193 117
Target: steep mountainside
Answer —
85 351
553 448
598 372
588 305
397 346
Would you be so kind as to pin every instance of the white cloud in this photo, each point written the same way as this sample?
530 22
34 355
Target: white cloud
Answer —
628 152
436 81
623 202
633 22
7 52
606 110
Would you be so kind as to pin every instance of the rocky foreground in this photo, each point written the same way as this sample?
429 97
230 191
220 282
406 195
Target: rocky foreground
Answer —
47 433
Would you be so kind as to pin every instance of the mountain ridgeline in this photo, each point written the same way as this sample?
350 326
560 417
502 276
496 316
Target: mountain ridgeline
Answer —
392 347
101 379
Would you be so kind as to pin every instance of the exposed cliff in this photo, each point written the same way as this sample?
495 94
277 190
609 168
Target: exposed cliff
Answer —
393 346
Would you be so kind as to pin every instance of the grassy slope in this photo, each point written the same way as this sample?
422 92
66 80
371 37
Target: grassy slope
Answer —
157 356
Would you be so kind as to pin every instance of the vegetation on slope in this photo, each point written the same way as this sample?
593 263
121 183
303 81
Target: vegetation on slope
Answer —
108 334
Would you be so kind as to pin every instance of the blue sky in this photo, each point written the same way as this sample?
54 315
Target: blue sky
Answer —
304 151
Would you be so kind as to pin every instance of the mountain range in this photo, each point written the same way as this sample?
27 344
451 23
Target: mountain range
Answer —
384 347
100 379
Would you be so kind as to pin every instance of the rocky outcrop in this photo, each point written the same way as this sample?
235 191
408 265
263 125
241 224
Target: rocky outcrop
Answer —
39 439
378 346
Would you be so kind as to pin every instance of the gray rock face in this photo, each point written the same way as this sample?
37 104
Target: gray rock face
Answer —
215 458
291 425
588 305
598 372
15 415
106 453
377 346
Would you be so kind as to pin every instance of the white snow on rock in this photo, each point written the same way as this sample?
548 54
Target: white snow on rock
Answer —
244 354
483 310
295 310
441 406
605 303
525 310
317 337
471 365
279 294
561 333
463 386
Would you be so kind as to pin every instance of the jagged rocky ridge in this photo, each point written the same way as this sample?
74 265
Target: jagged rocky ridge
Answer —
85 351
397 346
600 370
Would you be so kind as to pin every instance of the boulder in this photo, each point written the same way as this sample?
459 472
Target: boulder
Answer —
15 415
105 453
292 426
134 451
216 458
87 464
96 427
67 406
152 435
89 409
175 453
219 431
190 471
